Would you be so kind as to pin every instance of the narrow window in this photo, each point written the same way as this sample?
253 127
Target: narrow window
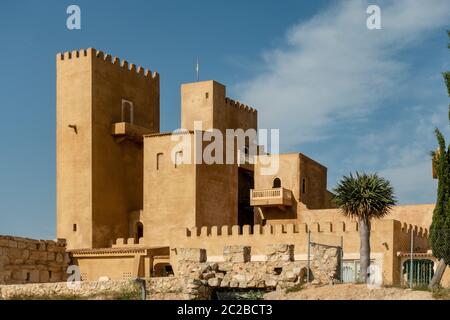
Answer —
139 230
178 158
207 95
303 185
28 276
159 158
127 111
49 275
276 183
74 227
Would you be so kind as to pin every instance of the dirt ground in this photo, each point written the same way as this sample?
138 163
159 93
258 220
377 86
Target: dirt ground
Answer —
349 292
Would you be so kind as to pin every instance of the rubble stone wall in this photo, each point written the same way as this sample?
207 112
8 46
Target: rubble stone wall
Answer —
278 271
25 260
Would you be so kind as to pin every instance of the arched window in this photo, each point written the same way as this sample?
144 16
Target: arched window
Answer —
127 111
276 183
139 230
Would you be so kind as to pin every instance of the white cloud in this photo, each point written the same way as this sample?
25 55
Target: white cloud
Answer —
333 68
332 74
412 182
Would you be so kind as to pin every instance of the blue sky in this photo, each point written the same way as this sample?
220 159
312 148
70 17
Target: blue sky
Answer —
351 98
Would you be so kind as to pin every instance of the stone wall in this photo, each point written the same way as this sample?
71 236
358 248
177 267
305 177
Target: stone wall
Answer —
196 278
279 271
388 237
325 266
61 290
177 288
32 261
167 288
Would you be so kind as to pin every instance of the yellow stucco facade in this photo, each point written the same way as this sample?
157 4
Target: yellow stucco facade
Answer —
125 200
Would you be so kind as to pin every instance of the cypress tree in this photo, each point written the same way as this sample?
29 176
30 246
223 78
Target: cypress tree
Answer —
440 226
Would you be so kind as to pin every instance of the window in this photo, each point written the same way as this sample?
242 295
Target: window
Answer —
159 159
127 111
74 227
28 276
139 230
49 275
303 185
207 95
178 158
276 183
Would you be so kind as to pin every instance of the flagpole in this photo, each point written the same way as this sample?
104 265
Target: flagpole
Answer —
197 69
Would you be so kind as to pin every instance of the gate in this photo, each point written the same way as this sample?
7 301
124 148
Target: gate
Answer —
419 272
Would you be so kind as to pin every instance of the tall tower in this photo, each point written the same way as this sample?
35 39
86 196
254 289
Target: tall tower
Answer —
103 106
206 101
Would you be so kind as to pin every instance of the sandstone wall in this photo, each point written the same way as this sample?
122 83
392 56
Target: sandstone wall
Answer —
388 237
32 261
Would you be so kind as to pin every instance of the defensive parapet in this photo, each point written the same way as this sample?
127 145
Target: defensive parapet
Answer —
236 104
338 233
101 56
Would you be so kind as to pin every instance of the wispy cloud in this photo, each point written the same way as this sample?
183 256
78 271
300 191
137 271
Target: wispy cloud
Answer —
332 76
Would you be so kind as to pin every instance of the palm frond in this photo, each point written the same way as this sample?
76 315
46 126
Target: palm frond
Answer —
364 196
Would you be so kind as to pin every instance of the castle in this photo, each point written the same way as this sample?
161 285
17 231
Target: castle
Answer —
125 206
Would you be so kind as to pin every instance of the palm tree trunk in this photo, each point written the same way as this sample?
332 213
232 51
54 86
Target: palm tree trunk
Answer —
437 277
364 249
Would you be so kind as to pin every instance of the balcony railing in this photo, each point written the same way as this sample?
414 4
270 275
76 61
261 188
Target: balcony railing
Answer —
271 197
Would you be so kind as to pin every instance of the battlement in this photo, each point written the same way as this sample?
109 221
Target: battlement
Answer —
328 233
418 231
101 56
287 229
236 104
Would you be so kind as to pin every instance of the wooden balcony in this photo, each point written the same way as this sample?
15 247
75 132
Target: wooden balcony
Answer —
275 197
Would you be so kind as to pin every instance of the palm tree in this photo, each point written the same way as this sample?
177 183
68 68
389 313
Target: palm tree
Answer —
364 197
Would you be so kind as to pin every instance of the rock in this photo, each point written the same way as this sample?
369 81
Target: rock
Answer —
236 254
214 282
208 275
271 283
214 266
289 276
239 278
225 282
191 254
280 252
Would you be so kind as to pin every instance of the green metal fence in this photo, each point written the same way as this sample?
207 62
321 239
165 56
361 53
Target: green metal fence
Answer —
418 273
